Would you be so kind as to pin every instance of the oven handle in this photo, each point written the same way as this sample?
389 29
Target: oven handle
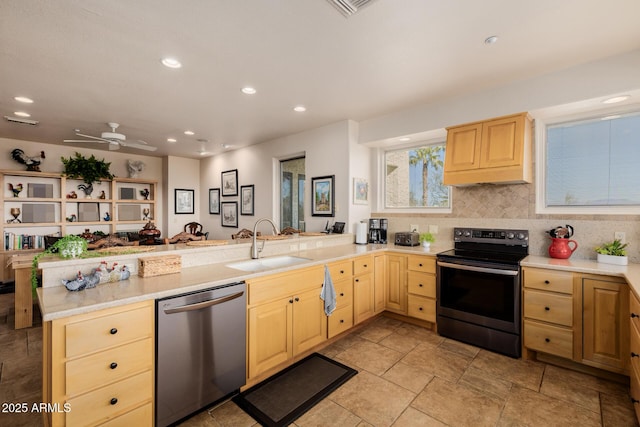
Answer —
478 269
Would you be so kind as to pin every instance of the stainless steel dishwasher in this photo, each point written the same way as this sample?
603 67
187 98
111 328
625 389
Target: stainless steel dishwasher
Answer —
200 350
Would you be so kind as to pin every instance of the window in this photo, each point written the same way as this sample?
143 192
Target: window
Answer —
413 178
591 166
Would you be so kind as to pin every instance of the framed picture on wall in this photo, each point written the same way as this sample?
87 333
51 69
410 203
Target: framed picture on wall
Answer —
322 196
246 200
229 214
360 191
214 201
184 201
230 183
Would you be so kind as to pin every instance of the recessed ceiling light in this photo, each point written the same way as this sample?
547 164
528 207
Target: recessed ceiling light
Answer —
24 99
616 99
171 63
249 90
22 114
189 132
172 140
405 139
299 108
491 40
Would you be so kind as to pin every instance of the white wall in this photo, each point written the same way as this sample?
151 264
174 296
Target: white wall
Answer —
327 153
359 167
182 173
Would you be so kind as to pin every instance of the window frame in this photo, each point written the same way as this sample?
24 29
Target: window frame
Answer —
541 126
382 187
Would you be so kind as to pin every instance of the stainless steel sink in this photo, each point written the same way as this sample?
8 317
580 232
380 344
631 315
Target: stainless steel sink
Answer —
269 263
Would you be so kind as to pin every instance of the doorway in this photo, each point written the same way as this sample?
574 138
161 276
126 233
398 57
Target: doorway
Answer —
292 177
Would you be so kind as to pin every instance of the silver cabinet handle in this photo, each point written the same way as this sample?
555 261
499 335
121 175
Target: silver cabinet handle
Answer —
203 304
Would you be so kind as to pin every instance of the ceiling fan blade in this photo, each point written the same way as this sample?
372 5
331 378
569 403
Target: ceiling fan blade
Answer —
139 146
82 140
93 137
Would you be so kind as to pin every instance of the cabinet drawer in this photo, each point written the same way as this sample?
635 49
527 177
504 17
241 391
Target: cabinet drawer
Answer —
340 269
635 390
548 339
276 286
340 320
634 309
634 346
421 263
549 280
363 265
106 331
423 284
108 366
422 308
139 417
344 293
548 307
110 401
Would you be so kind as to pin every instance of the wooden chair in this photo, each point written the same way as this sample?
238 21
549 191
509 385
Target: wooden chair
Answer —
243 234
195 228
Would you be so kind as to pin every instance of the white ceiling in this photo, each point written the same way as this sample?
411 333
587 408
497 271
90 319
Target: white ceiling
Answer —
88 62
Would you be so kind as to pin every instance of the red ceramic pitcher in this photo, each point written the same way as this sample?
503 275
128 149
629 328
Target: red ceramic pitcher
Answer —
560 248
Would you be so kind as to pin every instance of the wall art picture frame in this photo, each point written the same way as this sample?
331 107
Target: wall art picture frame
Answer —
322 196
214 201
184 201
229 214
246 199
229 181
360 191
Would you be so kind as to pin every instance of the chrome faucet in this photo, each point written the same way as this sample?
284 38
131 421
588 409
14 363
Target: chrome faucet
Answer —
255 252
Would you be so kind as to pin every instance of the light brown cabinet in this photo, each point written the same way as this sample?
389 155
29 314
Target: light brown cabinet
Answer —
363 289
421 280
497 150
396 286
634 344
379 279
575 316
342 317
102 365
285 318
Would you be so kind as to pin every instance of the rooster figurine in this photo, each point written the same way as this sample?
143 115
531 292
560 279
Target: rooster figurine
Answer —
32 163
15 189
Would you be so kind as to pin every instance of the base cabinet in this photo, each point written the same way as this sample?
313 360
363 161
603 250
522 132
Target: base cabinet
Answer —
421 287
396 286
634 354
101 365
285 318
363 289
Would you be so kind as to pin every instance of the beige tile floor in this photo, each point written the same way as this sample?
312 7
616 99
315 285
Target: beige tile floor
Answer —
408 376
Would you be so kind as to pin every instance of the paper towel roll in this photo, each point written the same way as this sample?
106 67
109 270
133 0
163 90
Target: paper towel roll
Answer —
361 233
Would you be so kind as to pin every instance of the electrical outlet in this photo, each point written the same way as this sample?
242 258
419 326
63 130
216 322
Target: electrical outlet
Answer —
433 229
620 235
414 227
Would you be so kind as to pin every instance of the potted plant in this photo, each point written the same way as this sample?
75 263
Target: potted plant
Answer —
613 253
89 170
69 246
426 239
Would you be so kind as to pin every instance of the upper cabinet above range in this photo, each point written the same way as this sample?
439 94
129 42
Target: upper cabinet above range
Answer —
491 151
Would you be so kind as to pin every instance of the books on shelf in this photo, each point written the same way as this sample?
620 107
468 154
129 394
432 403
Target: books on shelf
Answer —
16 242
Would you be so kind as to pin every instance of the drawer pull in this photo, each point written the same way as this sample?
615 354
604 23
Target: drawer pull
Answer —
291 301
365 266
420 285
420 308
341 294
634 401
357 280
546 282
341 320
634 315
547 340
547 309
113 331
420 265
296 299
113 365
113 400
341 271
634 354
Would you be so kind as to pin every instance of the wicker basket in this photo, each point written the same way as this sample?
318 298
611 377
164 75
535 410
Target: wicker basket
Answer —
159 265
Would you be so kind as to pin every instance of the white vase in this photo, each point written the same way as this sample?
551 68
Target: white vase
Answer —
71 250
611 259
426 245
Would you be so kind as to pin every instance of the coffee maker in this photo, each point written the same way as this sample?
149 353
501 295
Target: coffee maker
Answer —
378 230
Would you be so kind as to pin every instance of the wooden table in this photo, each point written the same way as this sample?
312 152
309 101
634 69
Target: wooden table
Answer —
21 265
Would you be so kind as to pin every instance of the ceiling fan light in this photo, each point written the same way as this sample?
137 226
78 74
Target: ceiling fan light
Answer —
299 108
249 90
189 132
171 63
172 140
24 99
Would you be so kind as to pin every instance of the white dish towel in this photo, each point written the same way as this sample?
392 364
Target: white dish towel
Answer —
328 293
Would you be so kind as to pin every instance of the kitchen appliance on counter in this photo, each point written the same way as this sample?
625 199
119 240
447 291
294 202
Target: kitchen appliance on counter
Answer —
361 233
478 288
200 350
378 230
407 238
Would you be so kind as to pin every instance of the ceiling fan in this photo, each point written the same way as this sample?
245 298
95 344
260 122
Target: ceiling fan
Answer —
114 139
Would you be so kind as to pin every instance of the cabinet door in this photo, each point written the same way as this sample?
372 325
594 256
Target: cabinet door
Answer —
502 142
605 324
396 292
463 147
309 321
379 278
363 298
270 335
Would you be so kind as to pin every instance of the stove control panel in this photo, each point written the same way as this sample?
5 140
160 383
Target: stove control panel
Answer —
491 235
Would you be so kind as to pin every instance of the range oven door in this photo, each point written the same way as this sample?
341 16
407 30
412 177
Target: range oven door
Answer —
483 294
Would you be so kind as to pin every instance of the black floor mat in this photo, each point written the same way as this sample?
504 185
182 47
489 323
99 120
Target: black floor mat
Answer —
282 398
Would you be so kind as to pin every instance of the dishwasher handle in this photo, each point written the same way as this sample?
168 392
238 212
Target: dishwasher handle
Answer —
203 304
